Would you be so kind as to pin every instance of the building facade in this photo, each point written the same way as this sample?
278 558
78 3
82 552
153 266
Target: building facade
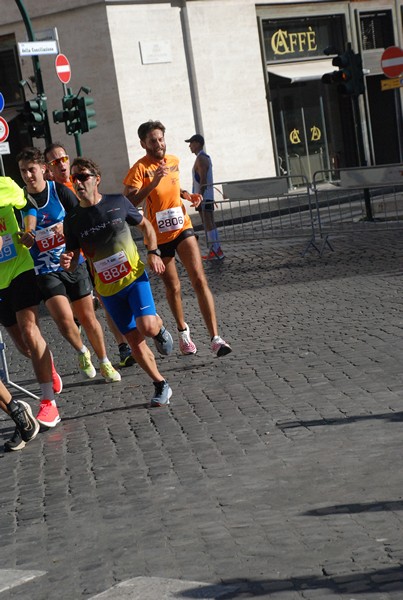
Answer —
247 75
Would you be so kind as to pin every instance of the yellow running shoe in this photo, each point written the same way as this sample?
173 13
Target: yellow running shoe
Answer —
86 366
109 373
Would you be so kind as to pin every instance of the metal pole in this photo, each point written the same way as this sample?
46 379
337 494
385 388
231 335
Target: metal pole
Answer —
361 154
78 144
36 65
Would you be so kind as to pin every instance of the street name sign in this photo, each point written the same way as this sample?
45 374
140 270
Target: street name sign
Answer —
36 48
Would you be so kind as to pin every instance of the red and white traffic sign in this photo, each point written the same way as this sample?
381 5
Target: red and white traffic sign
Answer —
63 69
4 130
392 61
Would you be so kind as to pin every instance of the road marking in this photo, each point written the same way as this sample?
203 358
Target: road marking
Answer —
150 588
10 578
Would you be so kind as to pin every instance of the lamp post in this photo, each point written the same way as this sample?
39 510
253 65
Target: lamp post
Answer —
36 65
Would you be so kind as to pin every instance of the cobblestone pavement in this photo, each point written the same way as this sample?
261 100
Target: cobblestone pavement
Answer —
272 475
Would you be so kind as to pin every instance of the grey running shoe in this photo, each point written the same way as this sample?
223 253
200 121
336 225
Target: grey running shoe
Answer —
27 427
162 394
163 342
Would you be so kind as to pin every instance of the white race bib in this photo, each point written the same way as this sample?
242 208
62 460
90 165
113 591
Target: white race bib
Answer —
113 267
46 239
170 219
8 250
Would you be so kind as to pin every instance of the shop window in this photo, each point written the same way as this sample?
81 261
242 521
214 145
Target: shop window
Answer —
376 30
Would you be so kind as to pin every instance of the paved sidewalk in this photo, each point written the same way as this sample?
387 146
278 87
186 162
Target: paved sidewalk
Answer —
274 474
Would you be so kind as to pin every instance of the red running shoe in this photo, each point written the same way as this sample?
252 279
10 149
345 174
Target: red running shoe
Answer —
56 379
48 414
214 255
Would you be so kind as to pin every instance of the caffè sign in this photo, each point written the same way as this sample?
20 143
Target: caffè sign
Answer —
291 42
288 39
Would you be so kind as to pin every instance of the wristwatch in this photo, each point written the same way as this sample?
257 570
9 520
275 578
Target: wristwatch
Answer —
157 252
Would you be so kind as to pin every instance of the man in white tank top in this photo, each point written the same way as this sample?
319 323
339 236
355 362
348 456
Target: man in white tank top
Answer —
202 174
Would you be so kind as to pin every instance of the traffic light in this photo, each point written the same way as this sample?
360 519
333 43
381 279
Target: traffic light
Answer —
75 114
349 78
85 113
69 115
35 115
71 112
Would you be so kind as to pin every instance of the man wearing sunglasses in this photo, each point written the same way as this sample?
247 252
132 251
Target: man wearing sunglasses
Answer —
58 164
99 227
48 202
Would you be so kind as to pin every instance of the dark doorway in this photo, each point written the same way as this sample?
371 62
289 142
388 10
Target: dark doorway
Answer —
386 122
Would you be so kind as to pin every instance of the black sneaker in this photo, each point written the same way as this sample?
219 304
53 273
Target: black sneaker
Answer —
16 442
125 355
25 421
163 342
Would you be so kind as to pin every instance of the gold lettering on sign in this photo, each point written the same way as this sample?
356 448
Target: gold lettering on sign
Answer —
284 42
294 136
316 134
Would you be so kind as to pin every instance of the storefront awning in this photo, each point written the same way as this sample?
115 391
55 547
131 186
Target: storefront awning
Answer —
302 71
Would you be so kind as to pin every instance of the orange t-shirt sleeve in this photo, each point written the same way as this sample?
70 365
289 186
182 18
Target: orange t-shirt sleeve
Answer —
135 177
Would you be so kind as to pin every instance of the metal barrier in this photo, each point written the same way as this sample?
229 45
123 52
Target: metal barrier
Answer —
265 208
359 199
4 375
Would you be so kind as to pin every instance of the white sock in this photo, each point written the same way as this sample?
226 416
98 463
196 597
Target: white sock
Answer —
47 392
104 360
83 350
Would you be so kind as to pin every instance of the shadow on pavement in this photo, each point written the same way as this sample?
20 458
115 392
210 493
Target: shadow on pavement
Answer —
366 583
394 417
358 507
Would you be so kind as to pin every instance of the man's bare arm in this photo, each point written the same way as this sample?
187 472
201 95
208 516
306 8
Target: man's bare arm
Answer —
136 196
201 168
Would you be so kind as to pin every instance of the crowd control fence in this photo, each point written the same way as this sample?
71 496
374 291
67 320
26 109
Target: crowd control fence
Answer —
359 199
265 208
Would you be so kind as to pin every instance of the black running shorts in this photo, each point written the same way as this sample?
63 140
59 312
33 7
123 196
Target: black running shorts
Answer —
22 293
74 286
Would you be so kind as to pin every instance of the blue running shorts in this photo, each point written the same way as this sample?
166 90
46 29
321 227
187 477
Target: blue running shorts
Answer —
135 300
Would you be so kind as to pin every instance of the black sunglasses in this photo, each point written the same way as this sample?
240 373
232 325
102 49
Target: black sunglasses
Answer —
81 177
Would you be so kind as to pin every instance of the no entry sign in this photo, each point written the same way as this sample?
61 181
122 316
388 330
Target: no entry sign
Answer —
4 131
392 61
63 69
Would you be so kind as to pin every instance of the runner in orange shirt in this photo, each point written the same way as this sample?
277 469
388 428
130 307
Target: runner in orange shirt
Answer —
154 179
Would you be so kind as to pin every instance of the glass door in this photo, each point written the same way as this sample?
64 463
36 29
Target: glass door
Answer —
301 133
